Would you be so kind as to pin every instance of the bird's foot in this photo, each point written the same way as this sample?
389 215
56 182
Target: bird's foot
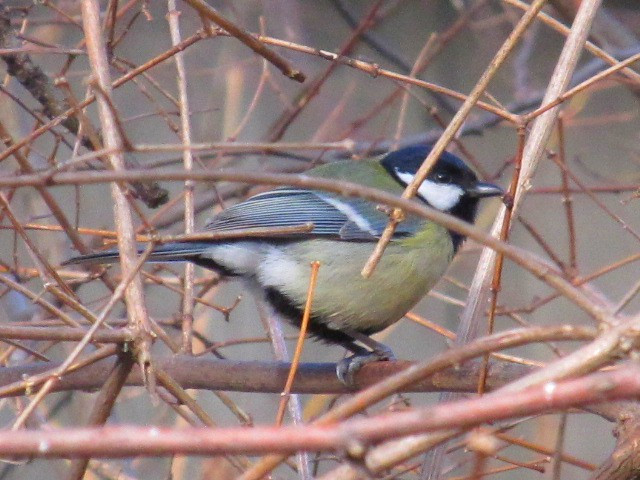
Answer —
347 368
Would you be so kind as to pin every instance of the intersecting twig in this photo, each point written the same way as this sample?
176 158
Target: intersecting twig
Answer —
187 158
103 405
249 40
124 222
286 392
450 131
470 317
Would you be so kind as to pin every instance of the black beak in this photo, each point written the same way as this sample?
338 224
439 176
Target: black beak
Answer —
482 189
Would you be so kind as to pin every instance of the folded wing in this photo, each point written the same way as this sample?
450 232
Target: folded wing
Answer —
331 215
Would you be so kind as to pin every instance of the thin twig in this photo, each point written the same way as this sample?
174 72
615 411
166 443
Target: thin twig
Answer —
274 328
557 451
622 383
520 257
239 462
29 139
281 125
562 97
286 392
124 221
383 389
567 201
103 406
452 128
469 319
625 225
185 134
71 358
249 40
589 46
496 281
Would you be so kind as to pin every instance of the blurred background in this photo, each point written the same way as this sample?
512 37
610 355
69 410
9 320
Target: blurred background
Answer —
235 98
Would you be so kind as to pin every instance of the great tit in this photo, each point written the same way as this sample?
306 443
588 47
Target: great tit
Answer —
347 307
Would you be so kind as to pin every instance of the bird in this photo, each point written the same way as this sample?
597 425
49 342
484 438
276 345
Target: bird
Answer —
347 308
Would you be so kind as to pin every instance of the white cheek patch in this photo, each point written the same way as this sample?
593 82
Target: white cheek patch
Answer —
441 196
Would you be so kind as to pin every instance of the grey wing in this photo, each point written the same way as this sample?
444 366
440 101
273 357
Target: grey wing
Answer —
331 215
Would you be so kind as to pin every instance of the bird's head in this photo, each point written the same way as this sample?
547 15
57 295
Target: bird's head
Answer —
451 185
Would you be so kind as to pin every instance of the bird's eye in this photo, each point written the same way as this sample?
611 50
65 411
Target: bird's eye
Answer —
442 177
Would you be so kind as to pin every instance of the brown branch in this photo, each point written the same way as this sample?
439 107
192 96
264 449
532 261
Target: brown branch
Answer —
375 70
269 377
534 147
38 300
562 97
30 76
377 392
198 373
249 40
541 270
179 393
567 201
352 435
606 29
280 126
187 160
623 463
103 405
589 46
449 132
48 198
23 384
48 274
533 151
133 294
64 334
617 218
150 192
40 86
496 281
71 358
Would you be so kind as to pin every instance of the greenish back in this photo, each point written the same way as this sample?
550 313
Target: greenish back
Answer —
365 172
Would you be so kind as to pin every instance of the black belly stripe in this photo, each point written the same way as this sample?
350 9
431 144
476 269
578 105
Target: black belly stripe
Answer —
293 314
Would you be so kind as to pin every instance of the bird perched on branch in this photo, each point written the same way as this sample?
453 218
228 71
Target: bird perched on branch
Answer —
347 307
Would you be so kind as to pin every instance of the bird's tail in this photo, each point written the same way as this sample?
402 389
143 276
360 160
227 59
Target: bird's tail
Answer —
171 252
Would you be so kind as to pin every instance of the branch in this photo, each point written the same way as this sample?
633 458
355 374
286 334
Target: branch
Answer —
264 377
470 319
452 128
40 86
352 435
261 377
249 40
534 147
134 298
103 405
624 461
541 270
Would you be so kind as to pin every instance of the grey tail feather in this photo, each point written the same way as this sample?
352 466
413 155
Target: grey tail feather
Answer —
171 252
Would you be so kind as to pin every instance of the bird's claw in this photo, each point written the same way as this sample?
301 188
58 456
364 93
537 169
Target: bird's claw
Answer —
347 368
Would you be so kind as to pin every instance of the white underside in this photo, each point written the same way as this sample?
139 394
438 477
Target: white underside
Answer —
268 264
